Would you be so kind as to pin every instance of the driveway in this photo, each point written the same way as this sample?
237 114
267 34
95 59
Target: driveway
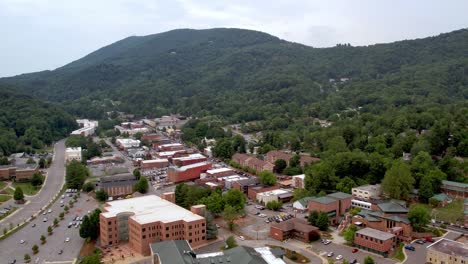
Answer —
53 183
345 251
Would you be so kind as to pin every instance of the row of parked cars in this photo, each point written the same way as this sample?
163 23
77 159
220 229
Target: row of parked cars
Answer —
279 218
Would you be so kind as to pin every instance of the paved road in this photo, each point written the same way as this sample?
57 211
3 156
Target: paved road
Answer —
419 255
12 249
345 251
53 183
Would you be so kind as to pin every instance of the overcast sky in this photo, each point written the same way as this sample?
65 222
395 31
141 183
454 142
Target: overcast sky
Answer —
45 34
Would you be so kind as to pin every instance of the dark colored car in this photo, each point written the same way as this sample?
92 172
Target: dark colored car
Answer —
429 239
410 247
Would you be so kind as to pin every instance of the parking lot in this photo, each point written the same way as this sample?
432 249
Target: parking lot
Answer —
56 242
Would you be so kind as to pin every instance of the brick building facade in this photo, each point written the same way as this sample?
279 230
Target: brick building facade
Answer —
187 173
375 241
148 219
294 228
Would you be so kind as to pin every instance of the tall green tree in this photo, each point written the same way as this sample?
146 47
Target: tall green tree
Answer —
142 185
36 179
322 221
267 178
230 214
280 165
235 199
369 260
18 195
398 181
419 217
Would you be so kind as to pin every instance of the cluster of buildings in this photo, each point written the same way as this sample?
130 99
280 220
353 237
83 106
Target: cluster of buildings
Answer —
73 154
268 164
447 251
87 127
19 172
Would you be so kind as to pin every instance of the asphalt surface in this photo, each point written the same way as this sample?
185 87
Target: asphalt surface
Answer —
345 251
419 254
55 179
13 249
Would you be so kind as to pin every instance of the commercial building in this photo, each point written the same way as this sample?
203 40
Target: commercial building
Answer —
279 195
335 205
228 181
302 205
274 155
220 172
375 241
252 162
117 185
180 252
19 173
455 189
447 251
87 127
365 192
295 228
105 160
169 154
73 154
187 173
126 143
256 189
190 159
154 164
171 147
244 184
148 219
298 181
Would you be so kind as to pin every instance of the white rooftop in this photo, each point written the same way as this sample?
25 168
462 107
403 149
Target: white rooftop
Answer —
171 145
128 141
218 170
150 208
191 156
73 149
302 176
167 153
195 165
268 256
274 192
154 161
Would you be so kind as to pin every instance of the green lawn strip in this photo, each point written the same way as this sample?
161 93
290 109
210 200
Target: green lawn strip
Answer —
399 253
2 184
450 213
4 198
27 188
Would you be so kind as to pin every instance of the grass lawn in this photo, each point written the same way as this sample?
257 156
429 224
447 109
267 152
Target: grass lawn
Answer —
450 213
28 189
399 253
2 184
4 198
10 191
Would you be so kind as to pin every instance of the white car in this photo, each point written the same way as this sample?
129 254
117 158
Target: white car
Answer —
330 254
50 211
339 257
44 220
67 239
242 238
22 241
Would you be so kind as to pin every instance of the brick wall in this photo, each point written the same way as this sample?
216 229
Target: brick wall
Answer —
252 192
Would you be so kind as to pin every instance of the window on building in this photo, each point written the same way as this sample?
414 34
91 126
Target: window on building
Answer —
167 228
144 236
144 229
190 234
110 236
109 223
203 237
190 241
203 231
167 235
203 224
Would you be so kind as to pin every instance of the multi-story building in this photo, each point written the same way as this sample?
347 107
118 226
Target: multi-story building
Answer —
279 195
252 191
171 147
252 162
117 185
365 192
19 173
334 204
228 181
187 173
126 143
275 155
154 164
73 154
298 181
447 251
87 127
244 184
295 228
375 241
149 219
455 189
388 216
169 154
302 205
190 159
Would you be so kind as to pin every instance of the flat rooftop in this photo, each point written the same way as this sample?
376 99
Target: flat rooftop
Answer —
154 161
368 187
450 247
218 170
171 145
150 208
191 166
374 233
274 192
190 157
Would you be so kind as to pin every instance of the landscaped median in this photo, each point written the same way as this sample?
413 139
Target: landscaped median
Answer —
292 255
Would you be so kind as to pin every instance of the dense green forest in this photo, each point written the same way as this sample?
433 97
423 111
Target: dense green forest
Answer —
27 124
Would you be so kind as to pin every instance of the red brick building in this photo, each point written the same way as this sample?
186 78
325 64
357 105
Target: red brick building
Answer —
375 241
171 147
274 155
254 190
148 219
294 228
244 184
187 160
335 205
117 185
151 137
154 164
252 162
455 189
187 173
221 172
19 173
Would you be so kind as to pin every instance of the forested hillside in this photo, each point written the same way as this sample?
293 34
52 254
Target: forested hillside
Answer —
27 123
245 75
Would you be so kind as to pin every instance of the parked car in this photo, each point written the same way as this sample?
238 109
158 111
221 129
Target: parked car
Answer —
44 220
22 241
60 252
330 254
355 250
67 239
429 239
420 241
34 225
339 257
241 238
327 242
354 261
410 247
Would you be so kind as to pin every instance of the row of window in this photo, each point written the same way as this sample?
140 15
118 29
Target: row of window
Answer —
370 238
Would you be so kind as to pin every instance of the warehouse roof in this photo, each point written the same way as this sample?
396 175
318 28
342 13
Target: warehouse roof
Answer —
374 233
